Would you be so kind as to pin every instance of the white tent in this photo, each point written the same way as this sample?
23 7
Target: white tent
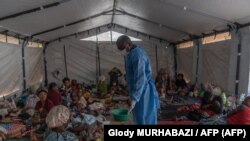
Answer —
160 24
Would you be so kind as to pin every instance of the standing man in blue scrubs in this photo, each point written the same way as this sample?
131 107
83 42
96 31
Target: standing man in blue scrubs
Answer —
142 90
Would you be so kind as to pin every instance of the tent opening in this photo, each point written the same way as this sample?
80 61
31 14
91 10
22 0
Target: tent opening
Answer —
107 36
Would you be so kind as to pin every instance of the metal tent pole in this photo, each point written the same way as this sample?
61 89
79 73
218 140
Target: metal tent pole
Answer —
45 65
156 57
24 44
65 60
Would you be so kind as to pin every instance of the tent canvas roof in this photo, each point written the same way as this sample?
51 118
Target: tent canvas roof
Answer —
172 20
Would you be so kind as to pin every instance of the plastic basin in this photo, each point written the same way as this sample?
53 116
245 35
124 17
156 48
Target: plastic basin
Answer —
121 114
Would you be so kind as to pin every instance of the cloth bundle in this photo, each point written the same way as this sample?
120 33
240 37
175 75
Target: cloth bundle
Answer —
215 120
31 101
13 130
82 119
96 106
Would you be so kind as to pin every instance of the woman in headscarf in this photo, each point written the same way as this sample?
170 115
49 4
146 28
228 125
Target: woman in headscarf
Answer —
54 94
57 122
44 105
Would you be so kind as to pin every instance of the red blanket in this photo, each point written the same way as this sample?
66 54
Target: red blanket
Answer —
241 117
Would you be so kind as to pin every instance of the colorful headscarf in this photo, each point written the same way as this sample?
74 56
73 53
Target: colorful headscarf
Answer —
58 116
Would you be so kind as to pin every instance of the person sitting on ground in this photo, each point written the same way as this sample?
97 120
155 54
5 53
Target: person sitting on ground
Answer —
163 78
73 85
193 90
54 94
75 105
161 91
66 92
32 99
114 74
80 86
181 85
66 88
82 100
113 89
57 122
44 105
102 88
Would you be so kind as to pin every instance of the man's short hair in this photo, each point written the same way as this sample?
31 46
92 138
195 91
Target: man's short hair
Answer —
121 40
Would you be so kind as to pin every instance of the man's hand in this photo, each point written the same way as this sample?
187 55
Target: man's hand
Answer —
132 106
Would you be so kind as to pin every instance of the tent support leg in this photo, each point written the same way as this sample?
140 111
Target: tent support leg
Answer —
65 60
97 72
197 61
99 63
156 57
175 62
238 69
24 44
45 66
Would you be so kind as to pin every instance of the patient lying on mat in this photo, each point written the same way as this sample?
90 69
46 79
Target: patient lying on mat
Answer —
211 105
240 116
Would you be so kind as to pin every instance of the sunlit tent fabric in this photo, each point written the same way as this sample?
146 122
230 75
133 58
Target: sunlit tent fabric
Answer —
11 69
107 36
12 73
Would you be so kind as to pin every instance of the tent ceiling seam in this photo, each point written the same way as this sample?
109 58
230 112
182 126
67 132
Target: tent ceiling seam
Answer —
40 8
155 23
72 23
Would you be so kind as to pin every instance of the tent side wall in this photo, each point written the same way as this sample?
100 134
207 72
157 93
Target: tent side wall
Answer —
12 68
217 62
81 59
